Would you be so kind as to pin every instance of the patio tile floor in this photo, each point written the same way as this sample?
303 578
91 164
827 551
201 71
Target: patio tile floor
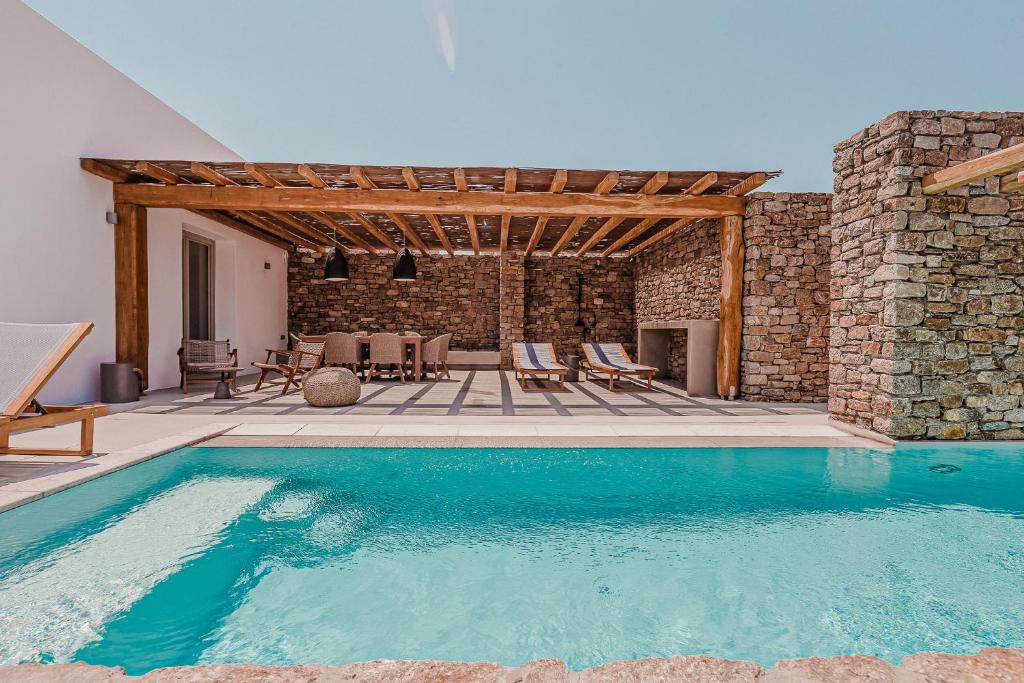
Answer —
471 392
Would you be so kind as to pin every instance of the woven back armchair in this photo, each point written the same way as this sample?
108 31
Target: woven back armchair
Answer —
344 349
386 350
435 354
305 356
204 361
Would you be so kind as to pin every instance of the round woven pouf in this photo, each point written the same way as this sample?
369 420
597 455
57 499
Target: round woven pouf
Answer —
330 387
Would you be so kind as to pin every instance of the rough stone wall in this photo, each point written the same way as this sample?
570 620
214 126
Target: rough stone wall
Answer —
786 297
676 355
486 302
680 277
512 300
927 290
457 294
608 294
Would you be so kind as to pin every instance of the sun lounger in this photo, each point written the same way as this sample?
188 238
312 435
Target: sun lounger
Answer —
29 356
612 360
530 359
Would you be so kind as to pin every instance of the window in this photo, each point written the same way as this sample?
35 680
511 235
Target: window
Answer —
197 286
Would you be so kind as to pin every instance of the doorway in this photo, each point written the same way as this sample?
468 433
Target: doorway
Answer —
197 286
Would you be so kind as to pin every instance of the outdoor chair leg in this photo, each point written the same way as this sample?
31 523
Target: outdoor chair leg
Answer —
288 381
259 382
611 382
88 429
369 372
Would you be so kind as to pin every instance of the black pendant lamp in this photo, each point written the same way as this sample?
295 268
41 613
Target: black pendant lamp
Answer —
336 269
405 264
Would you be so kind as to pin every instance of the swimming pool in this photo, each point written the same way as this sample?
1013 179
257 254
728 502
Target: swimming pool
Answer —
281 556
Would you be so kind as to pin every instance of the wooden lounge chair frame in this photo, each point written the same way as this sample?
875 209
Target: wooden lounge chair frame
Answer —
291 371
591 364
522 371
25 412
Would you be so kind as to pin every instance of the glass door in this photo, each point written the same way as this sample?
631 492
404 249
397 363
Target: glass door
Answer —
197 279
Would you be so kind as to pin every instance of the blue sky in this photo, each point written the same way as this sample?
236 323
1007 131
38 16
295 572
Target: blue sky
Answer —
667 84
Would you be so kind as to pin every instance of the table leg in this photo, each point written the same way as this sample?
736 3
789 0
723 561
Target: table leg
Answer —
417 356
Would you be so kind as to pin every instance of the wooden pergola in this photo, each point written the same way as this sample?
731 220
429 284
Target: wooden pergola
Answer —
1006 163
441 211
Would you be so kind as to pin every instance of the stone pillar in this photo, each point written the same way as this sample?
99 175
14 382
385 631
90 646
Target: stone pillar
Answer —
786 297
512 297
926 314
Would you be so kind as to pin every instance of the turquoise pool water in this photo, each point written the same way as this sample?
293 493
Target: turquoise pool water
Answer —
313 555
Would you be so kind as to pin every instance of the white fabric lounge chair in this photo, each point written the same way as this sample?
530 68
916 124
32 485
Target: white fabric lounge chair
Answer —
29 356
612 360
532 359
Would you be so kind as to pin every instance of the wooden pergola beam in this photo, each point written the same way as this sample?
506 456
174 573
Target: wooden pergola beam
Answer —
360 178
343 231
246 229
599 234
537 234
411 181
460 179
474 234
439 230
606 184
656 182
211 175
261 176
570 232
630 235
966 172
372 228
411 234
1012 183
311 176
106 171
437 202
743 187
558 182
275 229
303 229
158 173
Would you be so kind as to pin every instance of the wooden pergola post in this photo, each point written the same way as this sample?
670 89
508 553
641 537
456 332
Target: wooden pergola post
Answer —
131 286
730 325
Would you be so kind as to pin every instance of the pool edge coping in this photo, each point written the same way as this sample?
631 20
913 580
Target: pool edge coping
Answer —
989 663
862 432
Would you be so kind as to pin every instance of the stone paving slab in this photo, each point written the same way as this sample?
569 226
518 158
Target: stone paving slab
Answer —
991 665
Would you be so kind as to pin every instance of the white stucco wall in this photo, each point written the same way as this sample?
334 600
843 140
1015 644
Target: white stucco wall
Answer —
60 102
